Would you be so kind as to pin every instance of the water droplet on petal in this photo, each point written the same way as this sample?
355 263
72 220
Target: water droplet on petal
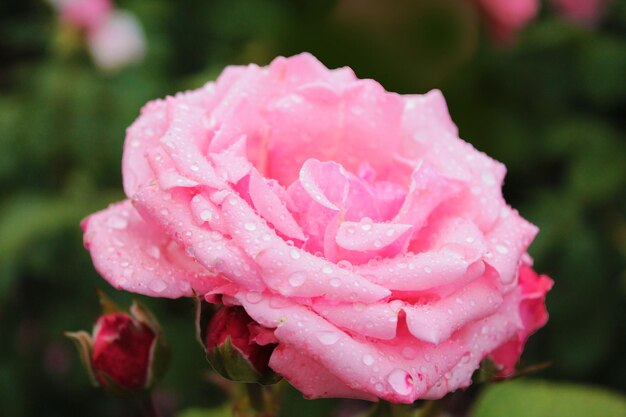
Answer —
250 226
327 269
502 249
328 338
157 285
117 222
368 359
409 353
401 381
254 297
294 253
335 282
428 269
296 279
153 251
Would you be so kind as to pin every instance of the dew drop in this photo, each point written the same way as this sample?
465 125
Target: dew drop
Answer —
335 282
206 215
502 249
157 285
294 253
368 359
296 279
409 353
401 381
153 252
428 269
250 227
254 297
328 338
327 269
117 222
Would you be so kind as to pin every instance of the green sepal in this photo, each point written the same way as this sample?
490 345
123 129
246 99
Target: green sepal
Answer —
82 341
108 306
204 311
159 360
142 314
228 361
486 373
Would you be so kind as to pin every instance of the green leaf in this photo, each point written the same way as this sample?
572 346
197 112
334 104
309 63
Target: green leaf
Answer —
224 411
548 399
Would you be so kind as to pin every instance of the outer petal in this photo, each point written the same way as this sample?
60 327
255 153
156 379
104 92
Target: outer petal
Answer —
135 256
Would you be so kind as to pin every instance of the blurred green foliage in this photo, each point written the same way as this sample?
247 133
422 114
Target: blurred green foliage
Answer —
543 399
551 107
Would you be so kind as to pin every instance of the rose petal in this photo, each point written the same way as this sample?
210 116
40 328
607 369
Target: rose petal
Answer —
271 208
435 322
134 256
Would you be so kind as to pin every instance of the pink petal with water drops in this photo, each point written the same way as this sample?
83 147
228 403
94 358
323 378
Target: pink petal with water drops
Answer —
310 378
508 242
270 207
288 269
205 211
325 182
428 189
232 163
184 141
368 236
141 136
165 172
378 320
421 271
172 213
435 322
135 256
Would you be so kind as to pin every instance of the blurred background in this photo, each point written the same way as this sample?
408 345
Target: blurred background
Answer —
548 100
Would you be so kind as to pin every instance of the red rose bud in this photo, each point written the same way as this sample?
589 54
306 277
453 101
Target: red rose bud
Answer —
239 348
126 353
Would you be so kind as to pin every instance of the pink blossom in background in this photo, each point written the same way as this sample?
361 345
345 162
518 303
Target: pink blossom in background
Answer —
586 12
352 224
507 17
118 42
85 14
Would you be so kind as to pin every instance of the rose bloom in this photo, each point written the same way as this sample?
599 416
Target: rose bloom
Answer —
351 222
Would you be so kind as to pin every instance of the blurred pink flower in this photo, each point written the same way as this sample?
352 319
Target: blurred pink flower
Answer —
353 225
85 14
117 42
586 12
507 17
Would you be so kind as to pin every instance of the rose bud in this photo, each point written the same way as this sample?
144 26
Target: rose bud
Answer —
236 346
125 353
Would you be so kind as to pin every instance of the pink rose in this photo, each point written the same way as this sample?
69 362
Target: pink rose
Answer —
507 17
85 14
351 222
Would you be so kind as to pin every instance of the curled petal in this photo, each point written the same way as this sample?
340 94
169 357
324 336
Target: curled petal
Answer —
134 256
